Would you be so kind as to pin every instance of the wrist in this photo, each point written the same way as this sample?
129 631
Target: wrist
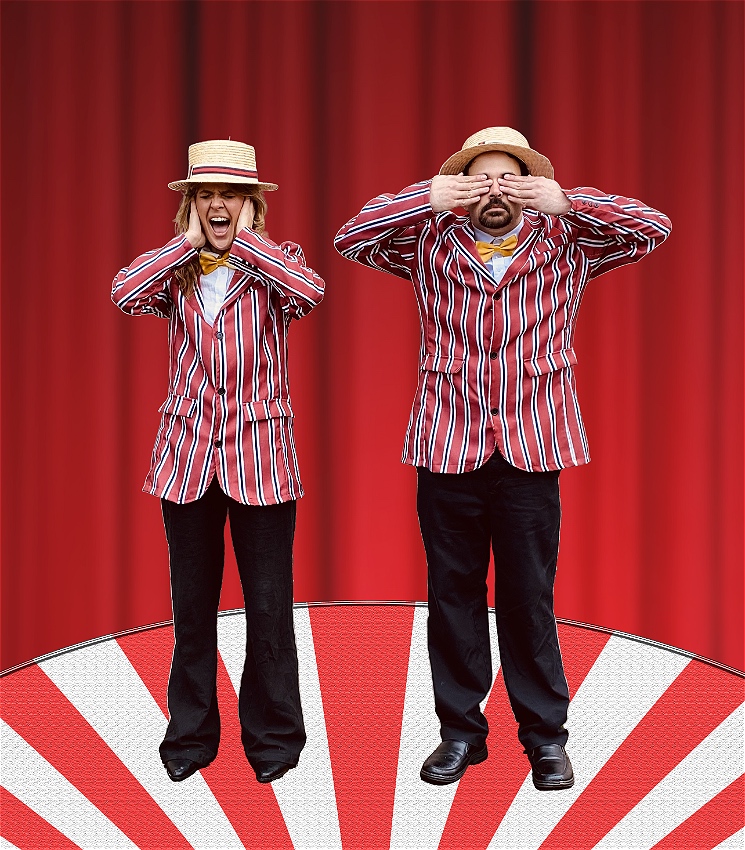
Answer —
196 243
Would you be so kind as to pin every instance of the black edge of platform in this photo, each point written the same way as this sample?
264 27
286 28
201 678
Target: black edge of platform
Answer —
396 603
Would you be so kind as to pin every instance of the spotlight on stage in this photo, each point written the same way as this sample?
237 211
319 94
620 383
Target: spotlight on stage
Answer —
656 739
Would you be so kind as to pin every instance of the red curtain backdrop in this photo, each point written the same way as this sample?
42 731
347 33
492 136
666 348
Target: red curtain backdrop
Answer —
344 100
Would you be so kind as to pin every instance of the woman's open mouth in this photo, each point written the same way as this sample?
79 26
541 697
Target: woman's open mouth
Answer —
220 225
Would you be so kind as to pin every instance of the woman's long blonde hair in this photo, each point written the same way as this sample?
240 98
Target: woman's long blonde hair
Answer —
188 275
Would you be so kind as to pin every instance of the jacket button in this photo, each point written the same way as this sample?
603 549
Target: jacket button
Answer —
221 391
497 295
219 335
218 444
494 411
493 355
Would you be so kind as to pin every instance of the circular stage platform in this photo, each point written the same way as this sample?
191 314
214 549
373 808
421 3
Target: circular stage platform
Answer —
655 736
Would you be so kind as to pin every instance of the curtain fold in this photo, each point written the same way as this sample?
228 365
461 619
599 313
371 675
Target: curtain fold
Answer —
343 101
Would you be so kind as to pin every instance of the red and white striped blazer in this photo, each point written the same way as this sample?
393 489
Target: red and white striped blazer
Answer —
228 409
497 358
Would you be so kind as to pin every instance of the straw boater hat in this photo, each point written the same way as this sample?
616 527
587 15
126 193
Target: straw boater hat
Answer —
499 139
222 161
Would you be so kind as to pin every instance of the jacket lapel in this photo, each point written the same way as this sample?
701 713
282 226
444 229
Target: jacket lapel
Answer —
196 302
236 285
463 240
520 259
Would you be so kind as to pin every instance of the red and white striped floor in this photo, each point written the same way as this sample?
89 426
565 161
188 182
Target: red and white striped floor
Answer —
656 739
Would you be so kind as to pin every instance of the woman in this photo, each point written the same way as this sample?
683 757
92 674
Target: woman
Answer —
225 446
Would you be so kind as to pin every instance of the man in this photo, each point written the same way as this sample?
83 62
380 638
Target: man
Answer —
225 446
495 417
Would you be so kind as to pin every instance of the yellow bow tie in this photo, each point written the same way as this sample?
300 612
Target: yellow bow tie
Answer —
210 262
488 249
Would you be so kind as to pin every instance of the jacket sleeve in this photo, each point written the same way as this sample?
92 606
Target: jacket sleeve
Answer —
613 230
280 267
383 235
143 287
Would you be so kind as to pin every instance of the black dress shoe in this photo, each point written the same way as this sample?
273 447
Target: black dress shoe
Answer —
552 769
180 769
450 760
268 771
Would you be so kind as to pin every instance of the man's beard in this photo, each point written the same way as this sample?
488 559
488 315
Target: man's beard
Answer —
502 219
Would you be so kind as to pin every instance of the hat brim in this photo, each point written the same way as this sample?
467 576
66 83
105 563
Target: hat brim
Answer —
183 185
537 164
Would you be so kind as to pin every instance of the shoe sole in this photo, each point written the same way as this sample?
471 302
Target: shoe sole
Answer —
553 786
434 779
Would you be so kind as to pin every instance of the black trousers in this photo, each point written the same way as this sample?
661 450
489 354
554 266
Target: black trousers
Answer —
269 701
518 514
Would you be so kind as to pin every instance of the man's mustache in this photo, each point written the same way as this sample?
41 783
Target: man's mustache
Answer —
496 202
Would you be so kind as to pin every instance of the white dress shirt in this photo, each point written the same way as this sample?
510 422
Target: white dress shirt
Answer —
214 286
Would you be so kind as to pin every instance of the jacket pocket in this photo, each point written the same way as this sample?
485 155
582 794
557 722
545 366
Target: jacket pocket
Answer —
561 359
267 408
179 405
442 363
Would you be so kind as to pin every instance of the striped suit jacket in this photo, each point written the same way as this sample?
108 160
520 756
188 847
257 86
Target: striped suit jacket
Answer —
496 365
228 409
